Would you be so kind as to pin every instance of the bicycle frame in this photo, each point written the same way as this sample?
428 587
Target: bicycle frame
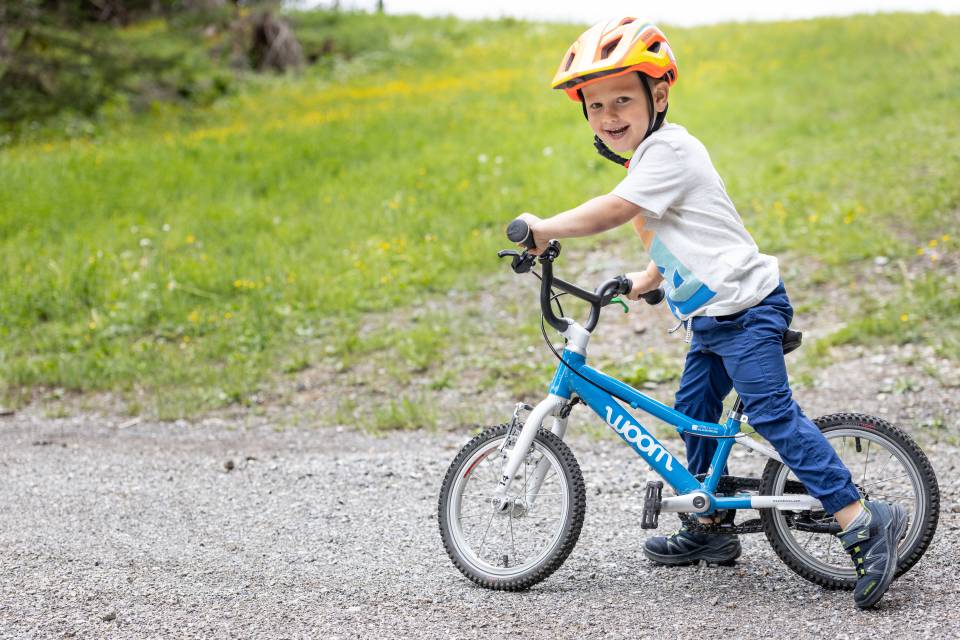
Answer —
693 496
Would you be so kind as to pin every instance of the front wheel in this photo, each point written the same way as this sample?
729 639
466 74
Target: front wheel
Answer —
886 465
515 546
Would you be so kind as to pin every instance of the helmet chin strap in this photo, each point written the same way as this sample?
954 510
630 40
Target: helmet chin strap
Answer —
656 121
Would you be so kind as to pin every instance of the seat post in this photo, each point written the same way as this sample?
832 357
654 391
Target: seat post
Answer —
736 411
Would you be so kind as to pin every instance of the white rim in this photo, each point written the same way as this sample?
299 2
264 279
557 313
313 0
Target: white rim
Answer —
521 537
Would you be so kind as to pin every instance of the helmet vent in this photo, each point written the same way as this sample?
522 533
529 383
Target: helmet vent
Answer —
569 62
625 21
608 49
655 47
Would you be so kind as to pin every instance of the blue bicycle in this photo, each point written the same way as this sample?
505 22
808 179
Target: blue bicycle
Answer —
513 500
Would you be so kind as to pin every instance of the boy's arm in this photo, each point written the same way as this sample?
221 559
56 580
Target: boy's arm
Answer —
593 216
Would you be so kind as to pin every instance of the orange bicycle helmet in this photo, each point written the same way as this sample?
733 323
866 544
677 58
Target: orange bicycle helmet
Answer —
614 48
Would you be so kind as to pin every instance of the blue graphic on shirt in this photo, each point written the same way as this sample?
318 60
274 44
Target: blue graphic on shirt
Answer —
685 293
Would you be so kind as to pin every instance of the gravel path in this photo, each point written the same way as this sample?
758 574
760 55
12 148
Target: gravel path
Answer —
145 532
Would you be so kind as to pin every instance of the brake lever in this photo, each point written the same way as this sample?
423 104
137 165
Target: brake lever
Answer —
520 262
619 300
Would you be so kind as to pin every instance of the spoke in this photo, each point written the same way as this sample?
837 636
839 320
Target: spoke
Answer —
502 544
895 495
886 464
513 545
875 482
809 540
483 540
866 461
540 518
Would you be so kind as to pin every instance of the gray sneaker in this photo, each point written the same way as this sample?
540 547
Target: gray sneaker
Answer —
871 542
685 547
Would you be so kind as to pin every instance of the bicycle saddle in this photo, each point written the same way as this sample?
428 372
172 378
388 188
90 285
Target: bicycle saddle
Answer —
791 340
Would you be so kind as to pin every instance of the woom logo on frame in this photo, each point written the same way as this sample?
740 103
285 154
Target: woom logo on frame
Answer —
632 434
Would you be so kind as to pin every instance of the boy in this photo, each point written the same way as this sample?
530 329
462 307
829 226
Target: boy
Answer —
726 293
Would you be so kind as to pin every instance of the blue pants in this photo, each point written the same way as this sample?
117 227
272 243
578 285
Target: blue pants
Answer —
744 351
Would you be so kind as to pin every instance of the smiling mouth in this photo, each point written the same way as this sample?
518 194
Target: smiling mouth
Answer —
617 133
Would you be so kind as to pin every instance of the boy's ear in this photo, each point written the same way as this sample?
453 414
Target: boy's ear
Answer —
661 92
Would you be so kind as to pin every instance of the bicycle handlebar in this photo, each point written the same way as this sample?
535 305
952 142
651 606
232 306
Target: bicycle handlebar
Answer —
518 231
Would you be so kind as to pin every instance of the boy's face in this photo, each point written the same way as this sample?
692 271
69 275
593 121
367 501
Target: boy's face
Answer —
618 112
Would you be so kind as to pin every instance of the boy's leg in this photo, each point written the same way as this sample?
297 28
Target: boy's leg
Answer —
703 386
753 357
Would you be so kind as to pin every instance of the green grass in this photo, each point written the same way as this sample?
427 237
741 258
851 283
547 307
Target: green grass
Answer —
190 255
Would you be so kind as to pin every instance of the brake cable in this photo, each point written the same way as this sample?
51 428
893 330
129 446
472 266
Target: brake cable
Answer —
543 331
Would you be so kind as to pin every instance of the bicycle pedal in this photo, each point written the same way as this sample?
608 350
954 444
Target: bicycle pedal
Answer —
652 499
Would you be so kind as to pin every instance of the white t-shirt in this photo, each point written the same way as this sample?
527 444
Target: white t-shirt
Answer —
710 264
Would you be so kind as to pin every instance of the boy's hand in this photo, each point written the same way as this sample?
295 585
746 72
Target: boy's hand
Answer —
643 281
538 239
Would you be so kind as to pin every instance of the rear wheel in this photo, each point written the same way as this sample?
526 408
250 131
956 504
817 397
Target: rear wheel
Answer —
886 465
513 547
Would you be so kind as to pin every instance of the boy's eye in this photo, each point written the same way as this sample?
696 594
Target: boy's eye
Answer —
595 105
623 100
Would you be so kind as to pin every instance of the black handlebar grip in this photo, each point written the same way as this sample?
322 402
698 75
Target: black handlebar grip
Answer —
519 231
626 285
653 297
